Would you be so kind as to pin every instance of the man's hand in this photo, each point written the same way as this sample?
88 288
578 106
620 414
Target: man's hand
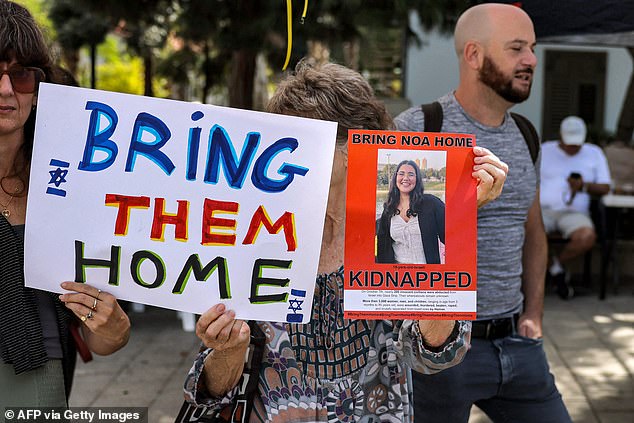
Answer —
490 172
529 327
576 183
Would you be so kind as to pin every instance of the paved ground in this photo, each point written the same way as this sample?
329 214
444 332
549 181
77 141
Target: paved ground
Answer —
590 345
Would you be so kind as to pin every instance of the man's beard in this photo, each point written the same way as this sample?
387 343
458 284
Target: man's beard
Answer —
492 76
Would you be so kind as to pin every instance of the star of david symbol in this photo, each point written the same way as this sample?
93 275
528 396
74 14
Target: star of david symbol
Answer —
295 305
58 176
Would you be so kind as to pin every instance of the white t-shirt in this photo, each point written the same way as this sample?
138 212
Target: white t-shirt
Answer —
556 166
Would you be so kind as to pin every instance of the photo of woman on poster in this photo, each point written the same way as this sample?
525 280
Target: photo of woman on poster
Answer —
411 228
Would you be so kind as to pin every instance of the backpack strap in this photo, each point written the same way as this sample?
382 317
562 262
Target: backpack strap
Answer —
433 116
529 133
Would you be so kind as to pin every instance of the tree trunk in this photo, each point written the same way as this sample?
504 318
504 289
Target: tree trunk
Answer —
351 53
93 66
147 70
206 73
241 78
71 60
625 126
260 83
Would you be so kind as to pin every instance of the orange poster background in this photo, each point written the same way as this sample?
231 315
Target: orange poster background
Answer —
460 227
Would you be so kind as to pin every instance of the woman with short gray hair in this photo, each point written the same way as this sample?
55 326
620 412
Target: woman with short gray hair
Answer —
330 369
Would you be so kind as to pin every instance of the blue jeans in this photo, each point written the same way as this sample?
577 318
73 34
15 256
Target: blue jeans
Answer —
508 378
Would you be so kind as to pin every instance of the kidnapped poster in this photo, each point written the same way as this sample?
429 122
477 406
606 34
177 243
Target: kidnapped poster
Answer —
411 226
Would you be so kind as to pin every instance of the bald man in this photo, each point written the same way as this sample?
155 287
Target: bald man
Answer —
505 373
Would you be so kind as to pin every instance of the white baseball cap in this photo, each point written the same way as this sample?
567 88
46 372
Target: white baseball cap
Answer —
573 130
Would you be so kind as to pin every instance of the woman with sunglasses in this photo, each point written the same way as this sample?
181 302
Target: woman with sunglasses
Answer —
411 228
37 348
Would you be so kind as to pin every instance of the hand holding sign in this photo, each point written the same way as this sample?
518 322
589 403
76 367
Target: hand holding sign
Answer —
218 329
490 172
228 339
106 326
152 202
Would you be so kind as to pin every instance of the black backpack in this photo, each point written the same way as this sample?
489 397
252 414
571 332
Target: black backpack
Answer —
433 123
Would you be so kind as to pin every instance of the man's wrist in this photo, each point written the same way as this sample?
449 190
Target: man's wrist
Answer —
533 314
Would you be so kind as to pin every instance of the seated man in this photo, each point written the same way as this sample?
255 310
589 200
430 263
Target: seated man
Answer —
571 172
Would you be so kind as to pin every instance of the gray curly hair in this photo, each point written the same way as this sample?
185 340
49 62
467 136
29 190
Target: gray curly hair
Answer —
330 92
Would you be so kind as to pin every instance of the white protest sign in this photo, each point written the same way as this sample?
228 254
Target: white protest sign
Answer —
177 205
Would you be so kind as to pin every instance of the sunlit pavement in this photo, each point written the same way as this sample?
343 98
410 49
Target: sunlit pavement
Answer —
590 346
148 372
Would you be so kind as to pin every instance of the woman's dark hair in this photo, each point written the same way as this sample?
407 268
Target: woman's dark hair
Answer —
330 92
394 195
22 39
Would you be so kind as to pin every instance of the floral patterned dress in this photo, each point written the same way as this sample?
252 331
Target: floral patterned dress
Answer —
337 370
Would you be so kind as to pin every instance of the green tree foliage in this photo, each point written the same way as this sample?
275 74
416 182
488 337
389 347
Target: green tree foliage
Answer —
336 22
77 26
39 10
221 42
122 72
217 41
227 35
143 24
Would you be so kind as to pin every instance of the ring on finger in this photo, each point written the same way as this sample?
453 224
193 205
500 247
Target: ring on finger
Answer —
89 315
94 305
98 294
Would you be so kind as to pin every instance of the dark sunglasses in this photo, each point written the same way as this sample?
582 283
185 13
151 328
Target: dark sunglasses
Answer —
24 79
